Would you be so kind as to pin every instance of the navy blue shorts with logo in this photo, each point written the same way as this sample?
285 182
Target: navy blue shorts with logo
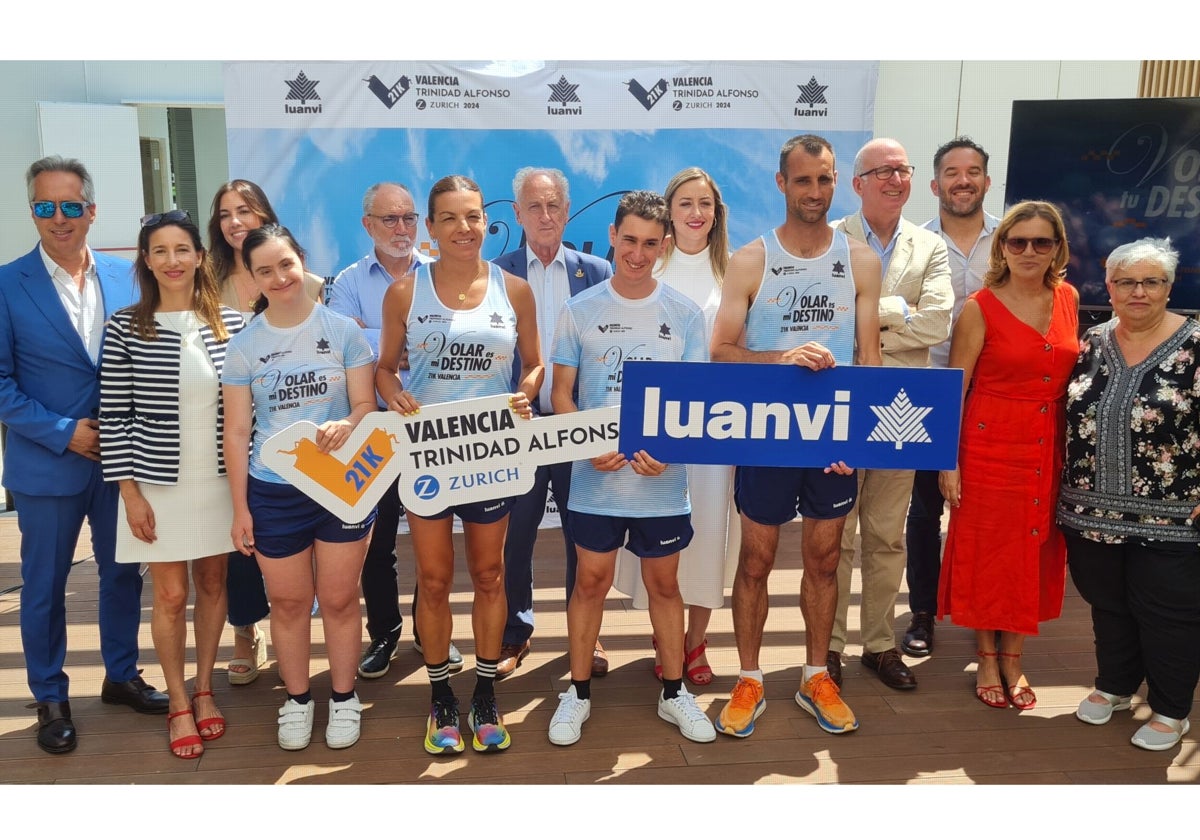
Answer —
649 536
477 513
286 521
774 495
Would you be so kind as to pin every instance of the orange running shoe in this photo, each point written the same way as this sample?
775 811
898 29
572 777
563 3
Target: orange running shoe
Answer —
819 696
745 704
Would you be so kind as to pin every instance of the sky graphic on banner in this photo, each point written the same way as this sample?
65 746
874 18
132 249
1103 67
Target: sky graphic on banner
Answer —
315 178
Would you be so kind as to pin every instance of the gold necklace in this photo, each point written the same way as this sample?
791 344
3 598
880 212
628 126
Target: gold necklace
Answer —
462 296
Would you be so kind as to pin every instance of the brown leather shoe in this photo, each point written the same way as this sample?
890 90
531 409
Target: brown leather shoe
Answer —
891 669
510 658
599 661
833 664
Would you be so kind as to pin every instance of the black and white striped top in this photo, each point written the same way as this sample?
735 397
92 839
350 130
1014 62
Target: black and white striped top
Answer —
139 399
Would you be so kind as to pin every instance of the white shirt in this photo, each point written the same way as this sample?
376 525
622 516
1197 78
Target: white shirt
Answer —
551 289
84 307
966 276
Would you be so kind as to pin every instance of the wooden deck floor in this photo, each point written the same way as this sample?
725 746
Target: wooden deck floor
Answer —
939 734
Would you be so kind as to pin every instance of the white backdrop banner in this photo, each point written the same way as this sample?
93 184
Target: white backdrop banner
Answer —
315 134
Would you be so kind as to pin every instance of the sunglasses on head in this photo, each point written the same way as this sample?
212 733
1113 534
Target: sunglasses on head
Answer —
70 209
1016 245
161 218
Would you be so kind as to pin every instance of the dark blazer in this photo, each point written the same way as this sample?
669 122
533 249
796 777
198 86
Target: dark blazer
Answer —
47 379
583 272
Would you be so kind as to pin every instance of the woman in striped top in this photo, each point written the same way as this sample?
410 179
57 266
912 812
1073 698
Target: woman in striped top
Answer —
161 439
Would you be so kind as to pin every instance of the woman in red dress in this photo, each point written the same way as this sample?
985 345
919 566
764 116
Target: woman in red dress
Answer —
1005 564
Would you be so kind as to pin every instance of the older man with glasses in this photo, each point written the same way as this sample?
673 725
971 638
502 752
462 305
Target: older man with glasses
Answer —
54 302
390 219
914 315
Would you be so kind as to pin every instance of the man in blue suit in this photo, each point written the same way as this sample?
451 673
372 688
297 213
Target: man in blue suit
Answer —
54 302
555 273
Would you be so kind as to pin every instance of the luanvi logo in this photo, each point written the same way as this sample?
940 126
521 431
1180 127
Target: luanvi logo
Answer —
303 89
648 98
563 93
900 422
812 94
389 96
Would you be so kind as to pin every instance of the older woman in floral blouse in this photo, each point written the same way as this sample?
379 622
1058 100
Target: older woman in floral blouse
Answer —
1130 496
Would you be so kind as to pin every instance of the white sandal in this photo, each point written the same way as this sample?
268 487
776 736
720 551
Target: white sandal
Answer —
1101 713
258 657
1151 739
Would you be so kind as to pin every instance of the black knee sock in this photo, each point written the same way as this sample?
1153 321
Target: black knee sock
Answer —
485 677
439 680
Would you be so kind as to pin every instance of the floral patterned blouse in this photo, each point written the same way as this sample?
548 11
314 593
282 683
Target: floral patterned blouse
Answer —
1132 469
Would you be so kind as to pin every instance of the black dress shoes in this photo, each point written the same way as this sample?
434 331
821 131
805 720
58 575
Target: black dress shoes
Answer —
918 638
135 694
833 664
891 669
56 732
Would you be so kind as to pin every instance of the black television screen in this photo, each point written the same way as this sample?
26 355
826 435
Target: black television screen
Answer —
1119 170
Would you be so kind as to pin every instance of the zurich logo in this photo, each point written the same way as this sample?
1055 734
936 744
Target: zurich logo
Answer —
426 487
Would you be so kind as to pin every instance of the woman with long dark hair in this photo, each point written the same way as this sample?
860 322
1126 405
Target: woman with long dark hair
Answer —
161 438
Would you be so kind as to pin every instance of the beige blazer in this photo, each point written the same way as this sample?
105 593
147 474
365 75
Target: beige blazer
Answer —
919 277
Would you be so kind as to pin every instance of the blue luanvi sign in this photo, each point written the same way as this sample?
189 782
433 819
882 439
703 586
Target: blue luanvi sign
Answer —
789 416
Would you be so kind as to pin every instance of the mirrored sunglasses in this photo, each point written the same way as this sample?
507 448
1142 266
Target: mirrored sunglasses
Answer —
70 209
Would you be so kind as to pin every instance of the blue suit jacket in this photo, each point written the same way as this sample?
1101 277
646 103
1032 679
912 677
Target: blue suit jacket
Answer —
583 271
47 379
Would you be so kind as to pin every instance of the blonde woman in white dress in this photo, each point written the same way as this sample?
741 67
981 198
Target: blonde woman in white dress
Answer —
694 263
161 439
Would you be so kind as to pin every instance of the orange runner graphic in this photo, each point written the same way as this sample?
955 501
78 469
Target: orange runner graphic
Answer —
349 479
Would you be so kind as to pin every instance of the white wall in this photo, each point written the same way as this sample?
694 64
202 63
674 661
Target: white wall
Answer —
920 103
925 103
25 83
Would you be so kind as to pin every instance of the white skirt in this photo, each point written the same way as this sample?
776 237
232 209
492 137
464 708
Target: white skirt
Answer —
194 516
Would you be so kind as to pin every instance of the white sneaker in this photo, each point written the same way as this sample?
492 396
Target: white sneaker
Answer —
684 713
345 723
567 724
295 724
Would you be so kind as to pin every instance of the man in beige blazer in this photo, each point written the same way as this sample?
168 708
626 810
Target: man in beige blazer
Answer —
914 314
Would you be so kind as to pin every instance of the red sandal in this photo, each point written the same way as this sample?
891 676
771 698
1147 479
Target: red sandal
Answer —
186 740
1022 696
983 692
701 674
208 723
657 667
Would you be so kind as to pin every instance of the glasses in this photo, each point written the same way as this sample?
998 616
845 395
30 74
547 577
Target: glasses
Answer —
1151 284
409 219
1016 245
162 218
70 209
885 173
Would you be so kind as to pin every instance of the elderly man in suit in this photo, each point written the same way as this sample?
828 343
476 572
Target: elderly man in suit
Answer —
54 302
914 315
555 272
